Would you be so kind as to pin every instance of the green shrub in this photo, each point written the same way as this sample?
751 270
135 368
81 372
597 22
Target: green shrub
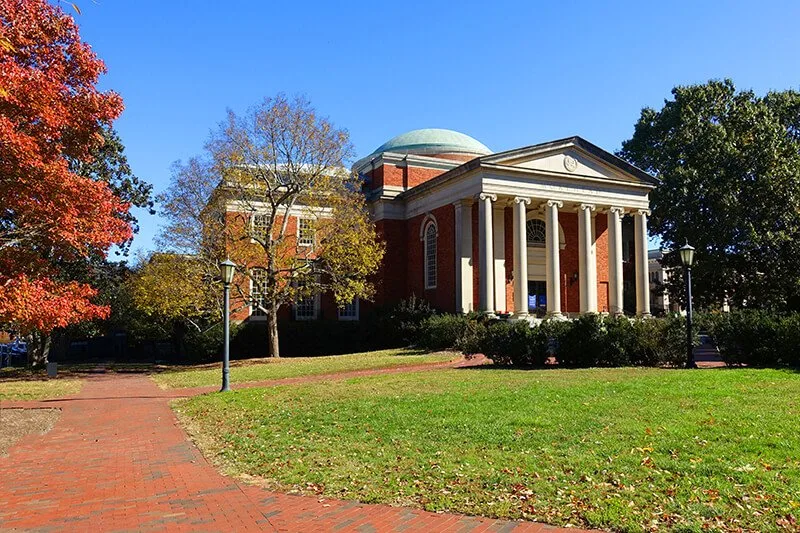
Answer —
507 343
441 332
472 339
399 325
584 344
658 342
755 338
588 341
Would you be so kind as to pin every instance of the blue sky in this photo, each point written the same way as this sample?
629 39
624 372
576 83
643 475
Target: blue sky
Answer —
508 73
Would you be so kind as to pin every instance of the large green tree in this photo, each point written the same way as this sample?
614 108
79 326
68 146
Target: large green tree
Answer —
729 165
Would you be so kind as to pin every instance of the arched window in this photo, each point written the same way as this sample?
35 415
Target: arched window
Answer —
535 232
430 238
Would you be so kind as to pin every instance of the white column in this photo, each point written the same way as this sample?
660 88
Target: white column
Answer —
553 257
520 257
463 220
615 260
642 270
485 252
587 262
499 237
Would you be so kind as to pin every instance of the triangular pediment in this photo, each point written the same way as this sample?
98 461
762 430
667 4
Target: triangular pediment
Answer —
571 157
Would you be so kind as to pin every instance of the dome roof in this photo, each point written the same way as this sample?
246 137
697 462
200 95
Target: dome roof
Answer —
433 141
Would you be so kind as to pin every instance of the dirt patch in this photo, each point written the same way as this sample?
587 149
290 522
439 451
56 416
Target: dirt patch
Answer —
17 423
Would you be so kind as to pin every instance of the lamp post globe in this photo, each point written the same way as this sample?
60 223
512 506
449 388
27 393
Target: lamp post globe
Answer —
227 269
687 259
687 255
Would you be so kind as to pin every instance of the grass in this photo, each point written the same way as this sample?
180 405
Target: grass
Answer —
621 449
25 384
266 369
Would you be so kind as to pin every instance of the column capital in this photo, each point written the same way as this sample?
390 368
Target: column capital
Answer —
616 209
557 203
645 212
590 207
485 195
522 199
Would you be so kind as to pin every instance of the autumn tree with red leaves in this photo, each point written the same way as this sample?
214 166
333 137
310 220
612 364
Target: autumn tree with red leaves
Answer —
51 115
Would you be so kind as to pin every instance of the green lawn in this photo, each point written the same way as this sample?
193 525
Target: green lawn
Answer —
622 449
24 384
265 369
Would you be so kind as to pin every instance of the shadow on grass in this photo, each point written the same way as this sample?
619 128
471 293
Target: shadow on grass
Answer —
556 366
84 370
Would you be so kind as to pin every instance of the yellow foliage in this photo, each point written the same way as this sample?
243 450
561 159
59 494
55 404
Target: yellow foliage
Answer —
173 286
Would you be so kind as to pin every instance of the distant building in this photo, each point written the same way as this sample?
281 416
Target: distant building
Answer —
659 275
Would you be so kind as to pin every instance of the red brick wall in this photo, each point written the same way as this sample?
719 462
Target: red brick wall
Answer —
601 256
376 177
569 262
391 279
250 255
443 296
570 296
407 176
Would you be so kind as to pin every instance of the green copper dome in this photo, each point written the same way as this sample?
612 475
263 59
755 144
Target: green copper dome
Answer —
433 141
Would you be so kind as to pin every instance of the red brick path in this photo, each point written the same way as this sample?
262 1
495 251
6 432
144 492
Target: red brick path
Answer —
118 461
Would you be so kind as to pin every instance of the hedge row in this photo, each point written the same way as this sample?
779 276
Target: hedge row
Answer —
588 341
755 338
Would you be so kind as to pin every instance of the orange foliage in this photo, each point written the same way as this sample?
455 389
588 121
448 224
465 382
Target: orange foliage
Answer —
50 112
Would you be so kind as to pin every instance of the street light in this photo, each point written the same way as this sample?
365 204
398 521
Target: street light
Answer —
226 269
687 258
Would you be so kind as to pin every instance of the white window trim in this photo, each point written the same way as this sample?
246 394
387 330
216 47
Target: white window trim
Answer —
428 221
350 318
313 233
315 316
250 307
253 225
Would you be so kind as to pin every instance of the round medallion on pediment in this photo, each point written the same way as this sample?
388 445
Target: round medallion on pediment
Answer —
570 163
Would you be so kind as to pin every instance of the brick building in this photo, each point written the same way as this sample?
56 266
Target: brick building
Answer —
558 227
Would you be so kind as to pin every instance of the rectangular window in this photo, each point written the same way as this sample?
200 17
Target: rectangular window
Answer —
305 232
349 311
258 226
306 309
258 282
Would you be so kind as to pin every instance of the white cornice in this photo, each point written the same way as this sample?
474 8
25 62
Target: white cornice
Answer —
240 206
369 163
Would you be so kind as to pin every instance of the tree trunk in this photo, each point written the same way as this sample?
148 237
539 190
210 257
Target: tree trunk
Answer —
39 350
272 331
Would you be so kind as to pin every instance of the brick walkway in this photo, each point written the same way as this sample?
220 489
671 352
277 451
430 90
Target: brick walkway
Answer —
118 461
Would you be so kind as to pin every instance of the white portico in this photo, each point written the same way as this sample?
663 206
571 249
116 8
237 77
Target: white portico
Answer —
559 208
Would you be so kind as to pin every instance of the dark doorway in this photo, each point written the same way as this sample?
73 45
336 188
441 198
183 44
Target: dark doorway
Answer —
537 297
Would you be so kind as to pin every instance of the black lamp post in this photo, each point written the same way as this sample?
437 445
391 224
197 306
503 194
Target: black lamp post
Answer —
687 258
226 269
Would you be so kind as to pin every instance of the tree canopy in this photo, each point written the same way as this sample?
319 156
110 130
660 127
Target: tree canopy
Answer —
262 173
729 165
52 118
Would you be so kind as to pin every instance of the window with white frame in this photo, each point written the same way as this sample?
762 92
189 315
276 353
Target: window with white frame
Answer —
306 309
258 283
305 232
349 311
258 227
535 232
430 255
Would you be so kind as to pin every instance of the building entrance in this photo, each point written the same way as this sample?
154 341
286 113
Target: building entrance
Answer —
537 297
